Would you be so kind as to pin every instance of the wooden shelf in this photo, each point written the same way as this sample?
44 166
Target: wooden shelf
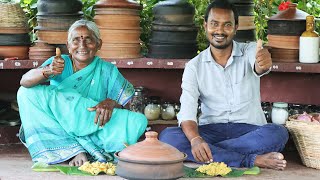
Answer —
151 63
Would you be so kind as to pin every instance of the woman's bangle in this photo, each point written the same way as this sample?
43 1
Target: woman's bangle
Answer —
195 138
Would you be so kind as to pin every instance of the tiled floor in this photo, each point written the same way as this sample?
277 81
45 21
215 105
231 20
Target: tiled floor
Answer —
15 164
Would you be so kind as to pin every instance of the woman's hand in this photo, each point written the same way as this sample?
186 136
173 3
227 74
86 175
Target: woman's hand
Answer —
201 150
56 67
103 111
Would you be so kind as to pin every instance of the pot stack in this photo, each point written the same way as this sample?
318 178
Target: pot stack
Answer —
14 38
54 18
173 30
246 29
284 30
119 24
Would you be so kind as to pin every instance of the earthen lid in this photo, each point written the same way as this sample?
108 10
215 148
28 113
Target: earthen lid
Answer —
290 14
151 150
117 4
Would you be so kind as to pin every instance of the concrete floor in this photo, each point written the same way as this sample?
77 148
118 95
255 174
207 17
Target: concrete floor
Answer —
15 163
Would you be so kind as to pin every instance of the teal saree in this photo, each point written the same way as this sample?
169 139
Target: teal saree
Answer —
56 124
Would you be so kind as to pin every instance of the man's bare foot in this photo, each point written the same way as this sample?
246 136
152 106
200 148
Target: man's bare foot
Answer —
78 160
273 160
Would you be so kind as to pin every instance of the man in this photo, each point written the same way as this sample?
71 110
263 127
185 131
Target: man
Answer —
226 79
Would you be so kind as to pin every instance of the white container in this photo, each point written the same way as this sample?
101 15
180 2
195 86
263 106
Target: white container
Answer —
279 113
309 49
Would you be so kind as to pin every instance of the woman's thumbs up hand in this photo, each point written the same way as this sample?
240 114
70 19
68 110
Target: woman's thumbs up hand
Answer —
263 59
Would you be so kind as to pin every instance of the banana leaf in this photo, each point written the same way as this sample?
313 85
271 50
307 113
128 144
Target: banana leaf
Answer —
69 170
192 173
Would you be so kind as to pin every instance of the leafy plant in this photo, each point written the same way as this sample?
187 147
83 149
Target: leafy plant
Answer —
87 9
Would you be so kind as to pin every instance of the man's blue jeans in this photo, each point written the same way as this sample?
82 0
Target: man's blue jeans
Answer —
236 144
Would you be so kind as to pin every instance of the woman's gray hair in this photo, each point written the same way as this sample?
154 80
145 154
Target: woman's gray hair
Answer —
88 24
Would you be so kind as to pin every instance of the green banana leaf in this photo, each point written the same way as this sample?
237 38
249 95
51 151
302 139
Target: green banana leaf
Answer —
69 170
192 173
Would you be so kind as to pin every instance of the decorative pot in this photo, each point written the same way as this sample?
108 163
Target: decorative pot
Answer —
58 6
117 4
174 34
290 22
173 12
150 159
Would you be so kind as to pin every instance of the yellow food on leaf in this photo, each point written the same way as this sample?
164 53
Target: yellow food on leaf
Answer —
96 167
214 169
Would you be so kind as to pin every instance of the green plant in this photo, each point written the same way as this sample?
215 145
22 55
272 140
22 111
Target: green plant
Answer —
87 9
30 8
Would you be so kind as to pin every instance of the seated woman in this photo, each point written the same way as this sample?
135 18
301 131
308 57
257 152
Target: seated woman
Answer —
80 113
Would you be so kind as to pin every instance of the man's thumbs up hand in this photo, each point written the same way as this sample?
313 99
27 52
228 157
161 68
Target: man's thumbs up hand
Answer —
263 59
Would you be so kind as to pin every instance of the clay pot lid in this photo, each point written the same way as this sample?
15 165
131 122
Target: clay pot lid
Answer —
117 4
151 150
290 14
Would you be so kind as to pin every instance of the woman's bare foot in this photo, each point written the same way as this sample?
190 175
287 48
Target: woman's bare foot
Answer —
78 160
273 160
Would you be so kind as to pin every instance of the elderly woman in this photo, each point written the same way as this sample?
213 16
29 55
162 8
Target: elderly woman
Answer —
80 113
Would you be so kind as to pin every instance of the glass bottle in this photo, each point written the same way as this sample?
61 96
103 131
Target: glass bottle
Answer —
279 113
153 109
309 43
168 111
266 107
137 103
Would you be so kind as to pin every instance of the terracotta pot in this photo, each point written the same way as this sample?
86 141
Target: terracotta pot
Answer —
176 12
290 22
53 37
119 36
284 55
245 9
58 6
119 51
14 51
117 4
172 51
174 34
150 159
246 23
111 21
41 50
4 30
57 22
119 11
245 35
284 42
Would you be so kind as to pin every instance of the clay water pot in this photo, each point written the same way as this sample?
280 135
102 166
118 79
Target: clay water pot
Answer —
58 6
57 22
245 9
41 51
172 51
120 36
150 159
21 52
173 12
284 42
14 39
117 21
284 55
290 22
117 4
53 37
117 11
119 51
245 35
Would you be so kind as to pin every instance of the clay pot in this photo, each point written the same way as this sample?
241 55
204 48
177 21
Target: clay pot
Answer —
174 34
118 11
119 36
41 51
245 35
284 55
173 12
246 23
172 51
111 21
14 39
290 22
150 159
284 42
46 7
117 4
53 37
241 1
245 9
21 52
56 22
119 51
7 30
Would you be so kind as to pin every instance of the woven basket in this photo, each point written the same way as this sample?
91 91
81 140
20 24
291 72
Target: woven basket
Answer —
12 15
306 136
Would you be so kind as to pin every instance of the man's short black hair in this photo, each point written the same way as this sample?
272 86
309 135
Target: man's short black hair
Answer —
222 4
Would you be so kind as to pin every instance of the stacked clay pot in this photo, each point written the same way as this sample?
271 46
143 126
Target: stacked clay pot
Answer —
41 51
284 30
173 31
246 28
14 38
54 18
119 24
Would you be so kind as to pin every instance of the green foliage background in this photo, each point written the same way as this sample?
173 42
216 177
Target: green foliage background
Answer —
263 10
